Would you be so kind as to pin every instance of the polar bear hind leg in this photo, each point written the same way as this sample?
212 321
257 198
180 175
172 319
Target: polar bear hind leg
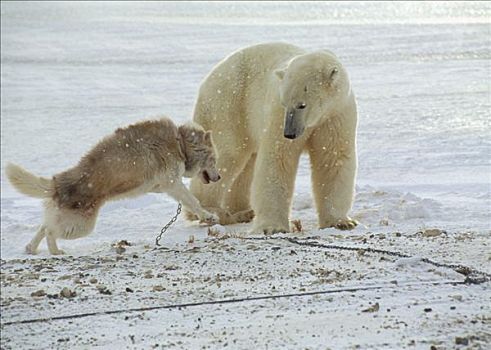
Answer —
238 199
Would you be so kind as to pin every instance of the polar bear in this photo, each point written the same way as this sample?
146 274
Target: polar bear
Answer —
266 104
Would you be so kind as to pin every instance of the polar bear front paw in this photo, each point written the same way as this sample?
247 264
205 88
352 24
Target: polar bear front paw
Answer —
244 216
269 229
347 224
342 224
209 219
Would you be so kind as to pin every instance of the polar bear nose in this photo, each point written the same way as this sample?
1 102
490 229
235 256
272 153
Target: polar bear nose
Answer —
293 127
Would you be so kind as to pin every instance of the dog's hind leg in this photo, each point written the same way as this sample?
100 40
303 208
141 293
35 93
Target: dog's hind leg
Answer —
32 247
52 246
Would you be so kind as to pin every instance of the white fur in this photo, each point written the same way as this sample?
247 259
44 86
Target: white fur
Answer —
243 101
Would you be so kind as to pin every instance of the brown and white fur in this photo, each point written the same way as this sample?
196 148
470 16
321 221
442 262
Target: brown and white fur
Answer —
149 156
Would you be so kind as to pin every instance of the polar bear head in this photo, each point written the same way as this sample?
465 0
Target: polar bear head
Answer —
311 85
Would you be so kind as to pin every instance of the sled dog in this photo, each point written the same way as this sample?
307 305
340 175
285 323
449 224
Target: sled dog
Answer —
149 156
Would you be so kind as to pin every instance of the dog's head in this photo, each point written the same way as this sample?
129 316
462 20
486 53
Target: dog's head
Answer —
208 161
200 153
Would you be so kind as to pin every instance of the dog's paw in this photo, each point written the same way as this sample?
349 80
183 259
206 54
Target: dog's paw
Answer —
58 252
190 215
30 249
210 219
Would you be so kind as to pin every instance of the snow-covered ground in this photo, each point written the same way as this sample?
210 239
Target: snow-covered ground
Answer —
73 72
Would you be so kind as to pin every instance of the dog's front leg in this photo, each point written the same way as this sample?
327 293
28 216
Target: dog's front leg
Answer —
180 193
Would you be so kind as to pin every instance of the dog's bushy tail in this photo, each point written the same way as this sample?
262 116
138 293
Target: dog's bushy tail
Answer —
29 184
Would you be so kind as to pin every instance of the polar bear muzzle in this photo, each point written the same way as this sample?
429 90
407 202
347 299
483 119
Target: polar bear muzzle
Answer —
294 124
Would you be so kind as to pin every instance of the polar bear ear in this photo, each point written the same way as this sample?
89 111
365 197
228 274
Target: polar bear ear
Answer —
332 74
280 73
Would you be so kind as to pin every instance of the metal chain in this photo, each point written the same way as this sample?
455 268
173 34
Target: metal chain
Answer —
472 275
174 218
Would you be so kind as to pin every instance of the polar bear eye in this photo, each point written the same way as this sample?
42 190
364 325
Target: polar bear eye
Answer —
301 105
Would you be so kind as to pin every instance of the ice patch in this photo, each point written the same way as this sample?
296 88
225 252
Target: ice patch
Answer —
411 261
219 229
376 206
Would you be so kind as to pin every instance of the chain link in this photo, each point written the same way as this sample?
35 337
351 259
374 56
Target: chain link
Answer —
166 227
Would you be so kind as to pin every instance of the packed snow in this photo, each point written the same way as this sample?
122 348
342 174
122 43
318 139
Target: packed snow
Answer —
72 72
